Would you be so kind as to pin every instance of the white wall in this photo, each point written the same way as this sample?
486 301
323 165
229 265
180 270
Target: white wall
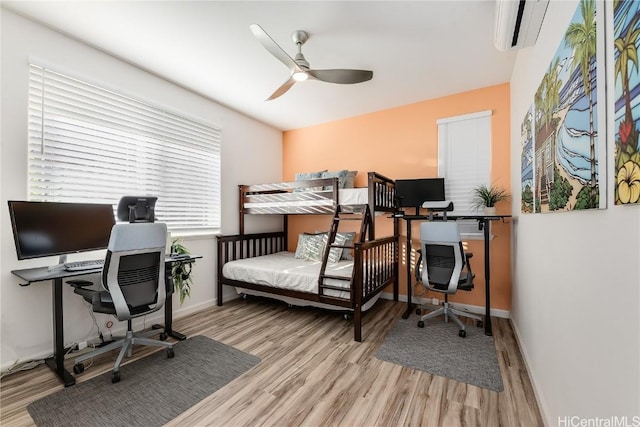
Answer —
576 284
251 153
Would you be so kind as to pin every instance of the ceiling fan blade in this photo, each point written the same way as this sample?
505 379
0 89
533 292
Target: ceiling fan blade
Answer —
341 76
273 47
282 89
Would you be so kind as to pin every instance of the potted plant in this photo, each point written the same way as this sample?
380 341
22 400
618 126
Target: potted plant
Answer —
486 196
181 272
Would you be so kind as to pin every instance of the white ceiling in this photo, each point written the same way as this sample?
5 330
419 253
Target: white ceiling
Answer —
417 50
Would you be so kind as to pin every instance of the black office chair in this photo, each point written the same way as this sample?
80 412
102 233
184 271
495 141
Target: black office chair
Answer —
444 267
133 285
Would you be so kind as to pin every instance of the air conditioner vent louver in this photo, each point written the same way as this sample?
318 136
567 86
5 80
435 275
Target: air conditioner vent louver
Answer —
518 22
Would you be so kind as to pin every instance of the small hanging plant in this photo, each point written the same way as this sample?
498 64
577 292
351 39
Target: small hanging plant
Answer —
181 272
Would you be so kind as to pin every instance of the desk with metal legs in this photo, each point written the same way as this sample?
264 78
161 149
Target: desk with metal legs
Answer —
484 222
41 274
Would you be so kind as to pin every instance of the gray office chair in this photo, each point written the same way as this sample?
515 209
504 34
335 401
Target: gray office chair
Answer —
133 285
444 267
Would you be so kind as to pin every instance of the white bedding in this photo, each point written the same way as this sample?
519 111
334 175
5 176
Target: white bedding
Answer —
282 270
346 196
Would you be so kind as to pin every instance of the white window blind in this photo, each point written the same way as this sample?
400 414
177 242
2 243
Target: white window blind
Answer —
464 160
90 144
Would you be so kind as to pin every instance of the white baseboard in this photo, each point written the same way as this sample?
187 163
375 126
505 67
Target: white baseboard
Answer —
530 371
186 311
506 314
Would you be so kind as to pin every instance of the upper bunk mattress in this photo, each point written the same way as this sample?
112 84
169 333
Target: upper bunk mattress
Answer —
346 196
282 270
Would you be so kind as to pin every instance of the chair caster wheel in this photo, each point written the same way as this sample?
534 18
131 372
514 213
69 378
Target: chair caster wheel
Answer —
163 336
418 311
462 333
479 324
170 353
420 324
78 368
115 377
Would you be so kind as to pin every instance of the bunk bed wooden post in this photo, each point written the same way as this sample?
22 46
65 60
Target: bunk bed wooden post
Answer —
285 229
219 273
241 209
371 186
356 293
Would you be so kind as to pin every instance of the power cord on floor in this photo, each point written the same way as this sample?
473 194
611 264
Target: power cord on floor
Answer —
22 366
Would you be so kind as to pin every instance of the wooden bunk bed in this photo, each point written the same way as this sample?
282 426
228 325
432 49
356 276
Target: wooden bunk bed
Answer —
374 264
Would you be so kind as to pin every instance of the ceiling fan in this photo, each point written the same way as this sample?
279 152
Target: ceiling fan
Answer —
299 67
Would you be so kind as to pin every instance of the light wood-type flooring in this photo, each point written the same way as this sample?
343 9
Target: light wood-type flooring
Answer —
313 374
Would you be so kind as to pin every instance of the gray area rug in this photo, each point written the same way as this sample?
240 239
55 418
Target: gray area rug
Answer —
437 349
152 391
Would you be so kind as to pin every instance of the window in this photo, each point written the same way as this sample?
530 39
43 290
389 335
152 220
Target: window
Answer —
90 144
464 160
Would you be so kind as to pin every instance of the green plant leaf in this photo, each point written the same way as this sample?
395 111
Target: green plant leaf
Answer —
488 196
179 273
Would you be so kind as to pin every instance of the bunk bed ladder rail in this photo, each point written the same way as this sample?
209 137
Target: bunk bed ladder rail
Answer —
343 213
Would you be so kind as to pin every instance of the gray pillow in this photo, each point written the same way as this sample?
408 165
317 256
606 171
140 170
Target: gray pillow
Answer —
310 246
303 176
341 175
350 179
349 238
335 254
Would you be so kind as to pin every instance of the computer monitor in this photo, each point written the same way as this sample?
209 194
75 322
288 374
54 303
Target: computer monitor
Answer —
412 193
42 229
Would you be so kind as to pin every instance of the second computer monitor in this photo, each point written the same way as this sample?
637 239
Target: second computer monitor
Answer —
412 193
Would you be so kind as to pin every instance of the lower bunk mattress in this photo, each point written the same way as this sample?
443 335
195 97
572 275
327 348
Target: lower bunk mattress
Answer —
282 270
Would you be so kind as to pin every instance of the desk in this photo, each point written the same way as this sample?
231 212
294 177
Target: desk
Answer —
484 222
41 274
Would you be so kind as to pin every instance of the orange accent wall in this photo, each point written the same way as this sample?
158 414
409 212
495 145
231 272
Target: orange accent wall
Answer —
402 142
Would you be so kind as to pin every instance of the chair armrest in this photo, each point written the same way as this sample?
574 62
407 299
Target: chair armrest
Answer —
471 275
418 268
79 283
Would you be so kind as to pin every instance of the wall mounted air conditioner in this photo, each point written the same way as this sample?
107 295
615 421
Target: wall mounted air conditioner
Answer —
518 22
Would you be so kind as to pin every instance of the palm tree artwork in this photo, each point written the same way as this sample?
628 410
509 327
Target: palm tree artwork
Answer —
626 26
581 36
566 155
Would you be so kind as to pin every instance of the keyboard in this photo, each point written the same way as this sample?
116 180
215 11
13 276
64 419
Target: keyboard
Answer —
84 265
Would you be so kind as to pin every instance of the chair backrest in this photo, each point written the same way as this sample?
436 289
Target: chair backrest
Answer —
134 272
442 255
